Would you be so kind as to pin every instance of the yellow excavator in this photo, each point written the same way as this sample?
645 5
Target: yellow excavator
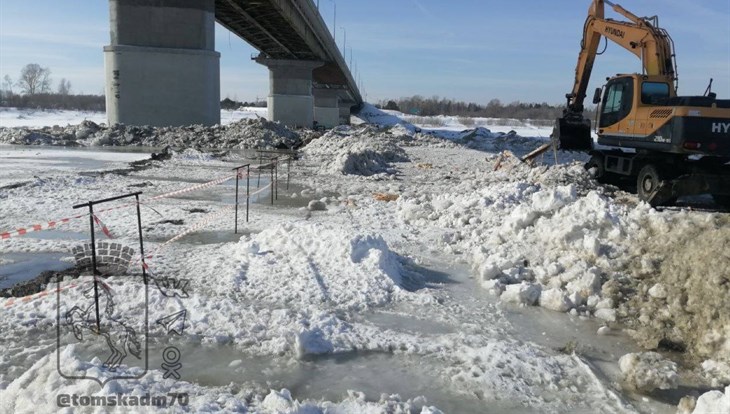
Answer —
668 145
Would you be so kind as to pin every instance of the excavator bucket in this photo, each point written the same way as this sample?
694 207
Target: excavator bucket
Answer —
573 134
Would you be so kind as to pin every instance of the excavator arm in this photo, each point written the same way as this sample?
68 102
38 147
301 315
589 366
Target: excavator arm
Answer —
639 35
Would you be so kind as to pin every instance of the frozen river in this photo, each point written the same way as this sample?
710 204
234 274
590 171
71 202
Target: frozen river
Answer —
354 305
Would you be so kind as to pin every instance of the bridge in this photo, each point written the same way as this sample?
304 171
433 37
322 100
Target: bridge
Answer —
162 68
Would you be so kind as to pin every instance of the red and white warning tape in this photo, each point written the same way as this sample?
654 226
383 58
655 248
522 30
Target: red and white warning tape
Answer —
194 188
52 224
203 223
37 227
103 226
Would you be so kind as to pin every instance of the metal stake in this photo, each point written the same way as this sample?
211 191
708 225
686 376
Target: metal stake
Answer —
248 189
141 243
94 271
93 267
235 226
276 179
261 160
238 176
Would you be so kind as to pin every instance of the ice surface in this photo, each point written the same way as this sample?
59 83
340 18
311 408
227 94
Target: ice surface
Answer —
295 288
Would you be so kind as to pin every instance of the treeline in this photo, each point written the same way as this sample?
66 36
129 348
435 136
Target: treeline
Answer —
232 104
418 105
53 101
34 90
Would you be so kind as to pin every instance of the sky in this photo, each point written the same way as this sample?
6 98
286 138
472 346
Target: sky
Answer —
467 50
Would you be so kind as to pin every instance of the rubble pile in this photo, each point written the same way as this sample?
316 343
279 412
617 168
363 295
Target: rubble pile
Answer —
247 133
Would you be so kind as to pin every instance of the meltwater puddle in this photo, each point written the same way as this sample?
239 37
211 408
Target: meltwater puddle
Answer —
331 377
26 266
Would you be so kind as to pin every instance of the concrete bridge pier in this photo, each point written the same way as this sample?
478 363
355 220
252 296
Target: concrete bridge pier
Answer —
326 107
290 98
161 66
346 112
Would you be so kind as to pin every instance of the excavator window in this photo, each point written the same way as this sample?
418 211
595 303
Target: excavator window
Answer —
617 101
651 92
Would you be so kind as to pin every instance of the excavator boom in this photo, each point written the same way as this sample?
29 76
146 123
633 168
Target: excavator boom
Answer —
640 36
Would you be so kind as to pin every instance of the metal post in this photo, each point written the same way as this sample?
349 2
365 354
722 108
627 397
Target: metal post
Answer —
235 226
93 266
238 180
271 184
261 160
276 177
94 271
288 171
141 242
248 189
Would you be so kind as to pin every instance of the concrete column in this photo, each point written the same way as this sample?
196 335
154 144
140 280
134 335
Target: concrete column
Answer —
290 99
345 112
326 107
161 66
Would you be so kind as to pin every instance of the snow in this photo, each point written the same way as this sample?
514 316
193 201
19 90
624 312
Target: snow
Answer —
34 118
648 371
333 274
717 371
15 117
360 153
713 402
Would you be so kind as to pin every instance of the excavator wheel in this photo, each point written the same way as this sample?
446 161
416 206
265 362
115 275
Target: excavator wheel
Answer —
650 187
596 163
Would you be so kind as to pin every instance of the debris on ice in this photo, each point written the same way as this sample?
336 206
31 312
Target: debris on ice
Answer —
648 371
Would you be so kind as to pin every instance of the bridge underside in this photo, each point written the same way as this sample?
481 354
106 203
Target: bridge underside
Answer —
162 68
261 23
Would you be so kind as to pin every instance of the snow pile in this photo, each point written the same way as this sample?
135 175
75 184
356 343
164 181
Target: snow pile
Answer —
533 235
40 385
381 118
191 155
527 375
483 139
717 372
282 402
246 133
713 402
681 284
648 371
366 152
299 266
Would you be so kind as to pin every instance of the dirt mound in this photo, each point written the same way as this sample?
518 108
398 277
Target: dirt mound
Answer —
682 286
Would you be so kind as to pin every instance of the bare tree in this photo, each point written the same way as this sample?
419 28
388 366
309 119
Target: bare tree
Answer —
34 79
64 87
8 84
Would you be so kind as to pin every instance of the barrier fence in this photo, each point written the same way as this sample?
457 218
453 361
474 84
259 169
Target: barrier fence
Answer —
94 220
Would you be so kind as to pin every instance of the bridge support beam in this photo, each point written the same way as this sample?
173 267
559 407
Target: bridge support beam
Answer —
290 98
326 107
161 66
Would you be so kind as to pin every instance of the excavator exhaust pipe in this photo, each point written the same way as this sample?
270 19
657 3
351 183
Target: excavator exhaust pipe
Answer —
573 134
